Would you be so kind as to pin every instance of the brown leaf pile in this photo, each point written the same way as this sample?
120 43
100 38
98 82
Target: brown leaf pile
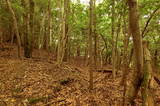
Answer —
39 82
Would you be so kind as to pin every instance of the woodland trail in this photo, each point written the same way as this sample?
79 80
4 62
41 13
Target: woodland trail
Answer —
38 82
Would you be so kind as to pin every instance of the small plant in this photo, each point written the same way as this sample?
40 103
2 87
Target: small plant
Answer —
35 100
64 81
18 90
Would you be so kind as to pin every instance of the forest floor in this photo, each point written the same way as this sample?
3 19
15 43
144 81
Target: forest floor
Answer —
39 82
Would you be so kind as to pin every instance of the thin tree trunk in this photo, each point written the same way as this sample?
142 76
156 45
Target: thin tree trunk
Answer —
113 41
90 46
42 24
125 55
29 28
15 27
1 37
126 64
63 38
67 31
95 34
50 24
117 54
31 23
137 41
59 6
147 83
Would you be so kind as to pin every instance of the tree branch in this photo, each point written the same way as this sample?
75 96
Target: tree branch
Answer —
148 21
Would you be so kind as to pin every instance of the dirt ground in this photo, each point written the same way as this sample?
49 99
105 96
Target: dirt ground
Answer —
39 82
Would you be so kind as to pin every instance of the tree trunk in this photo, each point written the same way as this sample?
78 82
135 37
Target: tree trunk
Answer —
29 28
15 25
95 34
42 31
1 36
125 54
67 31
113 41
59 6
90 46
31 24
147 83
117 53
49 24
63 38
137 42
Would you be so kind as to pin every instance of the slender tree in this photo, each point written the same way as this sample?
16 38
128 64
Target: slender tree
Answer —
63 37
113 41
15 27
90 46
147 82
29 27
49 23
95 37
137 41
125 54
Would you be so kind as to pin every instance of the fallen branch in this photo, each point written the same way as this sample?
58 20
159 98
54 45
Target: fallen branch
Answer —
48 104
104 70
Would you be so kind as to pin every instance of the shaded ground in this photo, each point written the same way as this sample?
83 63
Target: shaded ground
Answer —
38 82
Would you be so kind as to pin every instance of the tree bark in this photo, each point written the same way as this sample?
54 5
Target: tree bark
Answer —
50 23
95 37
15 25
147 83
137 42
90 46
28 27
125 54
63 38
31 24
113 41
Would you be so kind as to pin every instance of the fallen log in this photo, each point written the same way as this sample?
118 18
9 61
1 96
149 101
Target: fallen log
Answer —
6 49
104 70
